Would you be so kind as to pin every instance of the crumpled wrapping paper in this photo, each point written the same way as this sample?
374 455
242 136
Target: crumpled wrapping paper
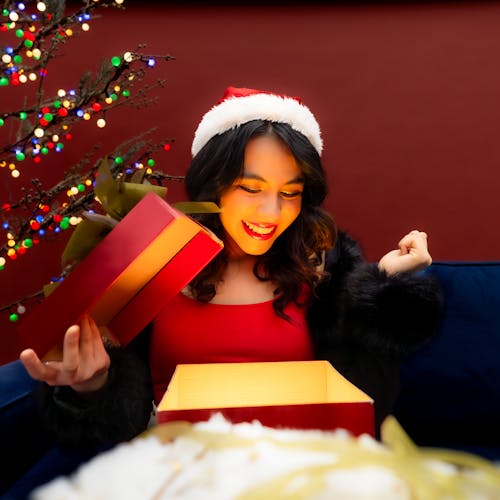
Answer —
247 461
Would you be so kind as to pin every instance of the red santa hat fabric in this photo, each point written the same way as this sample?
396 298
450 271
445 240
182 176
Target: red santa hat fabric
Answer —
241 105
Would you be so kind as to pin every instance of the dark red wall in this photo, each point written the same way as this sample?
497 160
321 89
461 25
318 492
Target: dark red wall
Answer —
407 95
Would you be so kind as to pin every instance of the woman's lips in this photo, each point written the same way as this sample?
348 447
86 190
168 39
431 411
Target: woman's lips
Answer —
259 231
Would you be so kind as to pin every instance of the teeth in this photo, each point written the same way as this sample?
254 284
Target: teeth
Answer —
258 229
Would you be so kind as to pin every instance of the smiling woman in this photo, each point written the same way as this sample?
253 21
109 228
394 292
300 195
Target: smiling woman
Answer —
266 200
286 287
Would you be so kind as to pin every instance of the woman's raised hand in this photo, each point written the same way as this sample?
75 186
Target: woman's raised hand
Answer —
85 362
412 255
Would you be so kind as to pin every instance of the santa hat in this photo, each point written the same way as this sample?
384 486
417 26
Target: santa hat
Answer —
241 105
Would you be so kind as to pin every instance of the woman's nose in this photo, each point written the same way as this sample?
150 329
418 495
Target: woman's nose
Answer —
270 208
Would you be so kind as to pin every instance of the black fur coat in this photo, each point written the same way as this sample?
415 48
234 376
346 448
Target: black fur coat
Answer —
363 321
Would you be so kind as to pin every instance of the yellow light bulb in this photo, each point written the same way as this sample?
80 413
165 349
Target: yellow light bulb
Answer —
15 174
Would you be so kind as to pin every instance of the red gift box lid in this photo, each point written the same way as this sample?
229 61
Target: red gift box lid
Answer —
154 243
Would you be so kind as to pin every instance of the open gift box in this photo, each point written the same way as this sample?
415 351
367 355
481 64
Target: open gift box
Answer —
290 394
148 257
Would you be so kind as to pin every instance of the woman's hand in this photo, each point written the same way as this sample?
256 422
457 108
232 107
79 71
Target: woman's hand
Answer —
412 255
85 362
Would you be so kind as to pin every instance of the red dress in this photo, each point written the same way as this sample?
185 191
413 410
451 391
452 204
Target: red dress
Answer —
221 333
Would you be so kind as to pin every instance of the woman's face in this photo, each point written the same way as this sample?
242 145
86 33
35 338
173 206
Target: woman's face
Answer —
261 204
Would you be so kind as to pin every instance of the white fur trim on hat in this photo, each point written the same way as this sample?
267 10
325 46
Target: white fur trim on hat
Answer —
236 111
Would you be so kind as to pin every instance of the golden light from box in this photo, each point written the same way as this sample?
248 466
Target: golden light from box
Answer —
221 385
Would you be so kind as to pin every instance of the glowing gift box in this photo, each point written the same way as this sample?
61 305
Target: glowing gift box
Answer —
294 394
148 257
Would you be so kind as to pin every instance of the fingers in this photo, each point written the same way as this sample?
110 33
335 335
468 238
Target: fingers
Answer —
84 358
32 363
412 255
71 349
86 338
413 240
415 244
414 235
35 367
91 343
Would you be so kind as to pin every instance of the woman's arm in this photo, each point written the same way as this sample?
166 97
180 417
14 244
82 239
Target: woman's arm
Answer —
365 320
362 304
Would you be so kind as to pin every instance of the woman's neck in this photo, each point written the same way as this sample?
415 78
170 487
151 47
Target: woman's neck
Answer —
239 284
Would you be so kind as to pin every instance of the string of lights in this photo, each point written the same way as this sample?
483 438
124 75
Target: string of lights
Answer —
35 31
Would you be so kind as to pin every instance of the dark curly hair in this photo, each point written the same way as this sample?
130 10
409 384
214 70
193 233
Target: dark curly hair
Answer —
293 260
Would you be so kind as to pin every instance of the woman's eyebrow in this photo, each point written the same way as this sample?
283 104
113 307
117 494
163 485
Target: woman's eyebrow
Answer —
248 175
297 180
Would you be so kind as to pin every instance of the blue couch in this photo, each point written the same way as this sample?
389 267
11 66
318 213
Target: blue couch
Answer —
450 388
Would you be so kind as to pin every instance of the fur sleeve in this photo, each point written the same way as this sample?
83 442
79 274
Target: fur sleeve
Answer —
390 314
361 306
118 412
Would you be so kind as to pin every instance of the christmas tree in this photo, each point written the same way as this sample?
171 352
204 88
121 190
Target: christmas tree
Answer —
42 197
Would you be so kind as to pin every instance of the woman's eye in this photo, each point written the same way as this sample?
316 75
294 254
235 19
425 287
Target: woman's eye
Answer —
291 194
249 189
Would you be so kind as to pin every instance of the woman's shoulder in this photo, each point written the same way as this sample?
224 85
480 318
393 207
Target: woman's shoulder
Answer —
345 254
